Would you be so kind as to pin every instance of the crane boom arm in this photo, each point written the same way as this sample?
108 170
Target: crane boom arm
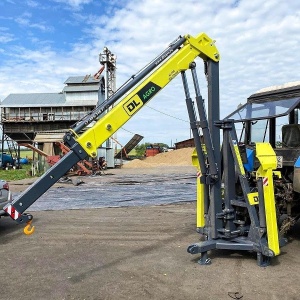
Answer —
95 136
131 98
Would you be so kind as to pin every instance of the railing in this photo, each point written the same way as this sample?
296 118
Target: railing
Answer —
42 117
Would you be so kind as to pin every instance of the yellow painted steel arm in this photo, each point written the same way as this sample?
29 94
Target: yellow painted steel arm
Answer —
130 98
268 163
200 218
201 46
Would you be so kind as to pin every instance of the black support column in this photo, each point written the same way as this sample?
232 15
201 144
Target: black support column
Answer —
213 116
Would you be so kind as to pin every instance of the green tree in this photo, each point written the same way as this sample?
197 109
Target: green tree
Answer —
162 145
140 149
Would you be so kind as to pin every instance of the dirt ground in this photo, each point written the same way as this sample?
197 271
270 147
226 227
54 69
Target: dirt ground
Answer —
133 253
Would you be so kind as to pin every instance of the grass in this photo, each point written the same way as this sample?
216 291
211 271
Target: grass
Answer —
18 174
26 153
132 152
24 172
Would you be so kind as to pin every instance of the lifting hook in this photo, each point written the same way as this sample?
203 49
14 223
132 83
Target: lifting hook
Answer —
28 228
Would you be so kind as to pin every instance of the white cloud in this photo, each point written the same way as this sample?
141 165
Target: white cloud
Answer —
75 4
32 3
5 36
258 42
25 21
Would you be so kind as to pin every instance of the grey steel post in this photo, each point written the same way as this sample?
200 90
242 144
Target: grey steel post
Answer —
193 124
213 116
261 204
228 174
204 125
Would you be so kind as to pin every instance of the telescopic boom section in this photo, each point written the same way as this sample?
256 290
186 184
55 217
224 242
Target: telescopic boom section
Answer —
131 98
180 61
134 80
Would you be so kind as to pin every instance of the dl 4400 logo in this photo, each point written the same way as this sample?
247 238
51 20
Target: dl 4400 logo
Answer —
132 105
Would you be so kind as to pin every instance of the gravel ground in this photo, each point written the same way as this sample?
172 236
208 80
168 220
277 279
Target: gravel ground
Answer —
133 253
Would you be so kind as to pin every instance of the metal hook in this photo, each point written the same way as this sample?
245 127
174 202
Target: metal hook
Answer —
28 229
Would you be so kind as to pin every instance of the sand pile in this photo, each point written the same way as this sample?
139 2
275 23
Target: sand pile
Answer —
180 157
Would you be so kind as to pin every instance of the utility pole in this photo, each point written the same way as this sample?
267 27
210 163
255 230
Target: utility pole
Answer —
108 60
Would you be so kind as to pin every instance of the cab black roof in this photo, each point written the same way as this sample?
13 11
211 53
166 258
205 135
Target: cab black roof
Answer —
285 91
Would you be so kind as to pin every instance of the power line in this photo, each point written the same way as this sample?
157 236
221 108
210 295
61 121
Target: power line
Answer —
185 120
167 114
161 113
127 130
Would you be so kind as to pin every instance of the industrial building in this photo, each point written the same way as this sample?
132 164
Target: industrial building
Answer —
41 119
23 116
185 144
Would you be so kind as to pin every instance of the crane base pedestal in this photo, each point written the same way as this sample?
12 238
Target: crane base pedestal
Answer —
234 244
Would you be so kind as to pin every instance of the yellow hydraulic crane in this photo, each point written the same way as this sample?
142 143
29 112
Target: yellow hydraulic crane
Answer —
227 220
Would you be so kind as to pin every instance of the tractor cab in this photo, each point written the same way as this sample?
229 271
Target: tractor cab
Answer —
272 116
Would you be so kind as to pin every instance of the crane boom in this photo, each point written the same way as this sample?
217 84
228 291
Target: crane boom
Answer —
131 98
201 46
242 216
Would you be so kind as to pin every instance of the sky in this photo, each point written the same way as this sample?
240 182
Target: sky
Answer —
43 42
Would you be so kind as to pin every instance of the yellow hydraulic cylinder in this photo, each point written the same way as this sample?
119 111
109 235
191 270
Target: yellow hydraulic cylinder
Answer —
268 163
200 220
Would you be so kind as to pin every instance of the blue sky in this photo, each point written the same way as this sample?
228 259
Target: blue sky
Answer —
43 42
